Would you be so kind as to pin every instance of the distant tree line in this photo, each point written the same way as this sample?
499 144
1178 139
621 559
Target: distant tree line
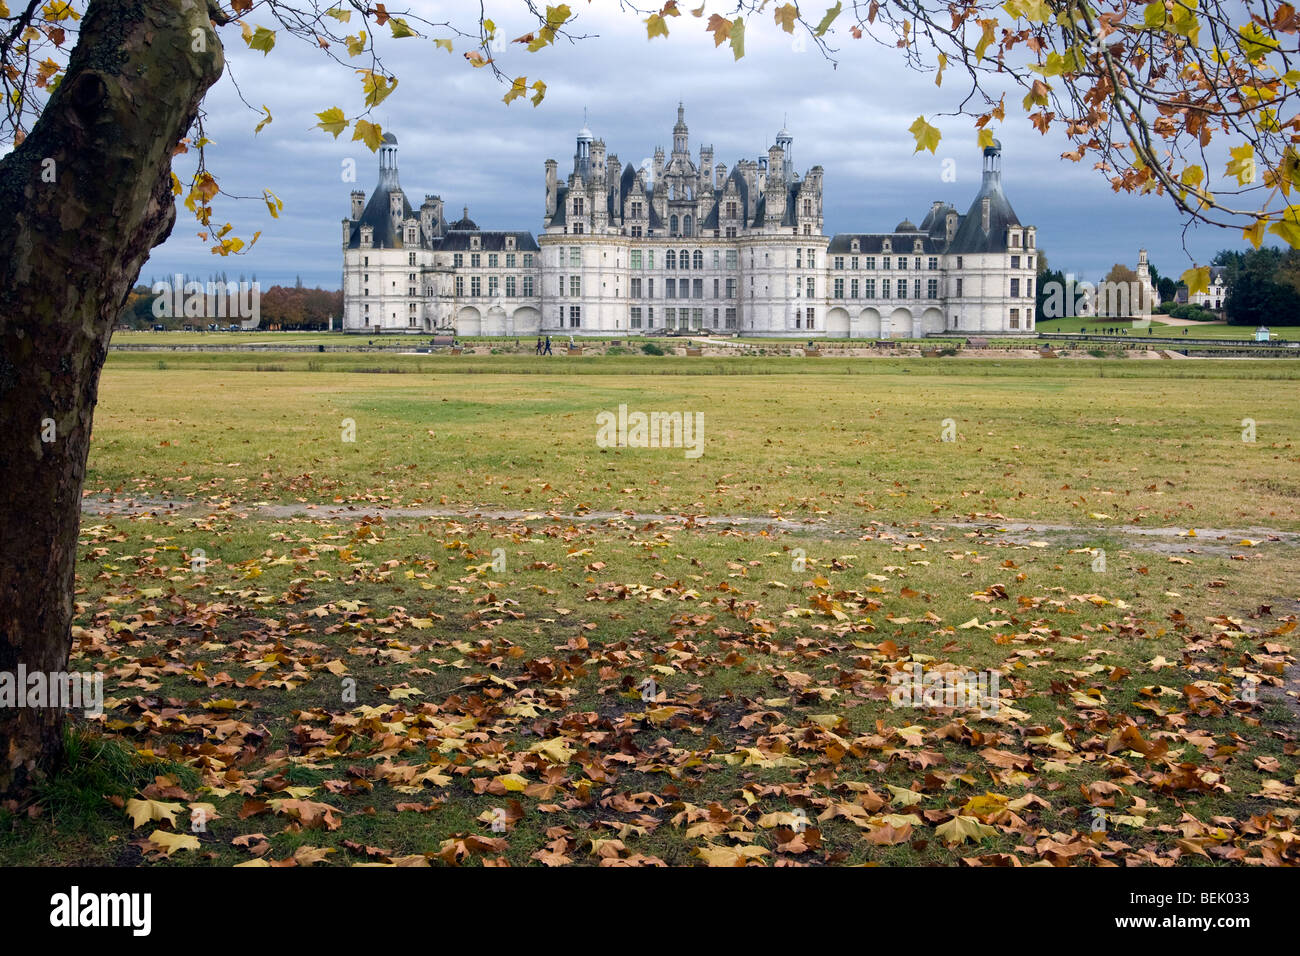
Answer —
1263 286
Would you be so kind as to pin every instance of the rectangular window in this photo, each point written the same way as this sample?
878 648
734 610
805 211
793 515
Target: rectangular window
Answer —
697 318
492 260
812 318
636 317
932 288
650 288
510 260
916 289
902 288
732 259
460 285
650 259
717 286
839 288
458 260
511 287
902 263
811 285
575 286
575 316
853 288
528 260
475 260
731 288
869 288
812 258
697 288
730 318
476 286
959 288
670 288
575 255
839 263
798 258
635 262
1015 262
636 287
1015 288
494 285
410 259
717 256
1015 318
528 287
932 263
869 262
886 263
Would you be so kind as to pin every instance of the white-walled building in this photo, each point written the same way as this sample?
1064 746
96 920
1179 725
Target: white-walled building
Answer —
683 244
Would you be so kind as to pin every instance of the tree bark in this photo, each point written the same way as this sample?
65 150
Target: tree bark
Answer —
70 251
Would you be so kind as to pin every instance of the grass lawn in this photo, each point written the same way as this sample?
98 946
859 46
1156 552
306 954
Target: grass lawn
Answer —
599 676
1195 330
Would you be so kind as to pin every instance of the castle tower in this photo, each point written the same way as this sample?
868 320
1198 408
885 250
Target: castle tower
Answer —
786 142
681 135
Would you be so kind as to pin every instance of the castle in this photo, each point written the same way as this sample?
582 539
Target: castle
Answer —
685 244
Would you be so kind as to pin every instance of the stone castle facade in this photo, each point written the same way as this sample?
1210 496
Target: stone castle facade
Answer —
683 243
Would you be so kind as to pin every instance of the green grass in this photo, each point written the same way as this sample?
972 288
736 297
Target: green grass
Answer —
1195 330
852 441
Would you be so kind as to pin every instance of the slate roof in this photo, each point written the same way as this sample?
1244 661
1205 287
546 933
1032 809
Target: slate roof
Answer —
971 238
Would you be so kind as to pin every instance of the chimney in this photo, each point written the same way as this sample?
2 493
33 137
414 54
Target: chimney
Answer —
721 175
358 204
551 167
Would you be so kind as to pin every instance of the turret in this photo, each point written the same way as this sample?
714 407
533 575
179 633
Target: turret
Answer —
358 204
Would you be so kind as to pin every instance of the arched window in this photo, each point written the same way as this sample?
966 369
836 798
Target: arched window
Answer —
686 259
672 225
670 260
697 261
688 228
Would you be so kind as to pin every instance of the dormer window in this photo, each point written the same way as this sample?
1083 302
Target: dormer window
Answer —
888 246
918 247
475 242
855 246
510 242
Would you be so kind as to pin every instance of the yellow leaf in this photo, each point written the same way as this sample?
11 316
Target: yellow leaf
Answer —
333 121
960 829
146 811
926 136
1196 279
169 843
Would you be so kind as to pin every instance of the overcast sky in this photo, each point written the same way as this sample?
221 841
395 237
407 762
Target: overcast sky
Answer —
458 140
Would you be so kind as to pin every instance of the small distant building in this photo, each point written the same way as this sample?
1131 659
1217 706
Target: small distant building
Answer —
1213 298
1262 334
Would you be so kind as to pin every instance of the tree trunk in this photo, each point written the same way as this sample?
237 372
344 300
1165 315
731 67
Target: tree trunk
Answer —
82 201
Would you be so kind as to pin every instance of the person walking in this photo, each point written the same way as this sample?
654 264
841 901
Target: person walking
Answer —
539 345
547 350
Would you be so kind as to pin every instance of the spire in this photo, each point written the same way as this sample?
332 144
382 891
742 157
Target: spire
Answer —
681 135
